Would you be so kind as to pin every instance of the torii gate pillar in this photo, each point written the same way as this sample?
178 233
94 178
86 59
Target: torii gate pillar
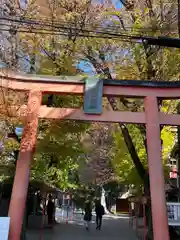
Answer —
158 201
21 180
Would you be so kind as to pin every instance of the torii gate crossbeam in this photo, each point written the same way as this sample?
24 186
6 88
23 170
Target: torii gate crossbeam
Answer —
148 91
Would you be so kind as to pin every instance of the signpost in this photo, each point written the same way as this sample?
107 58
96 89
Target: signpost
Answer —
173 213
93 94
4 228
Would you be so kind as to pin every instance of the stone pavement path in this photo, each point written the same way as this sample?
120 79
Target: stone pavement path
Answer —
114 228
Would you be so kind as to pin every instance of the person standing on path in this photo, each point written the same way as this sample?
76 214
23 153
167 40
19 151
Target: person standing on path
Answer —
50 210
88 214
99 209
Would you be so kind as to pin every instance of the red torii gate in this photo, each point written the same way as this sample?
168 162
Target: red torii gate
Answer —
152 118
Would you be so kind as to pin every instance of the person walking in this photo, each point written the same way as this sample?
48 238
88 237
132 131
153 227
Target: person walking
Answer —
87 214
99 209
50 211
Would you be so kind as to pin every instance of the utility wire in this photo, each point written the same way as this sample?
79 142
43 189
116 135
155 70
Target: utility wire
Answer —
61 24
80 34
33 31
61 30
58 29
65 24
43 19
160 41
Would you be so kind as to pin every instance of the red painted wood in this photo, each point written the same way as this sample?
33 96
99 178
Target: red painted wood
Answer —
169 119
76 88
158 201
21 180
107 116
78 114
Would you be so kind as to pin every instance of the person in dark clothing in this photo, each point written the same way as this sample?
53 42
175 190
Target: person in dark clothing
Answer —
88 214
50 210
99 209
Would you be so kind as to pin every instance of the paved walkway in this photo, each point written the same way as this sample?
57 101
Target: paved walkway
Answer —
114 228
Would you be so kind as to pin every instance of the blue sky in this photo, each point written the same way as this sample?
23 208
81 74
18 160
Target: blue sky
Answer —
117 3
87 68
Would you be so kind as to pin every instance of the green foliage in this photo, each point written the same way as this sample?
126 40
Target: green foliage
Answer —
122 162
58 152
168 138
